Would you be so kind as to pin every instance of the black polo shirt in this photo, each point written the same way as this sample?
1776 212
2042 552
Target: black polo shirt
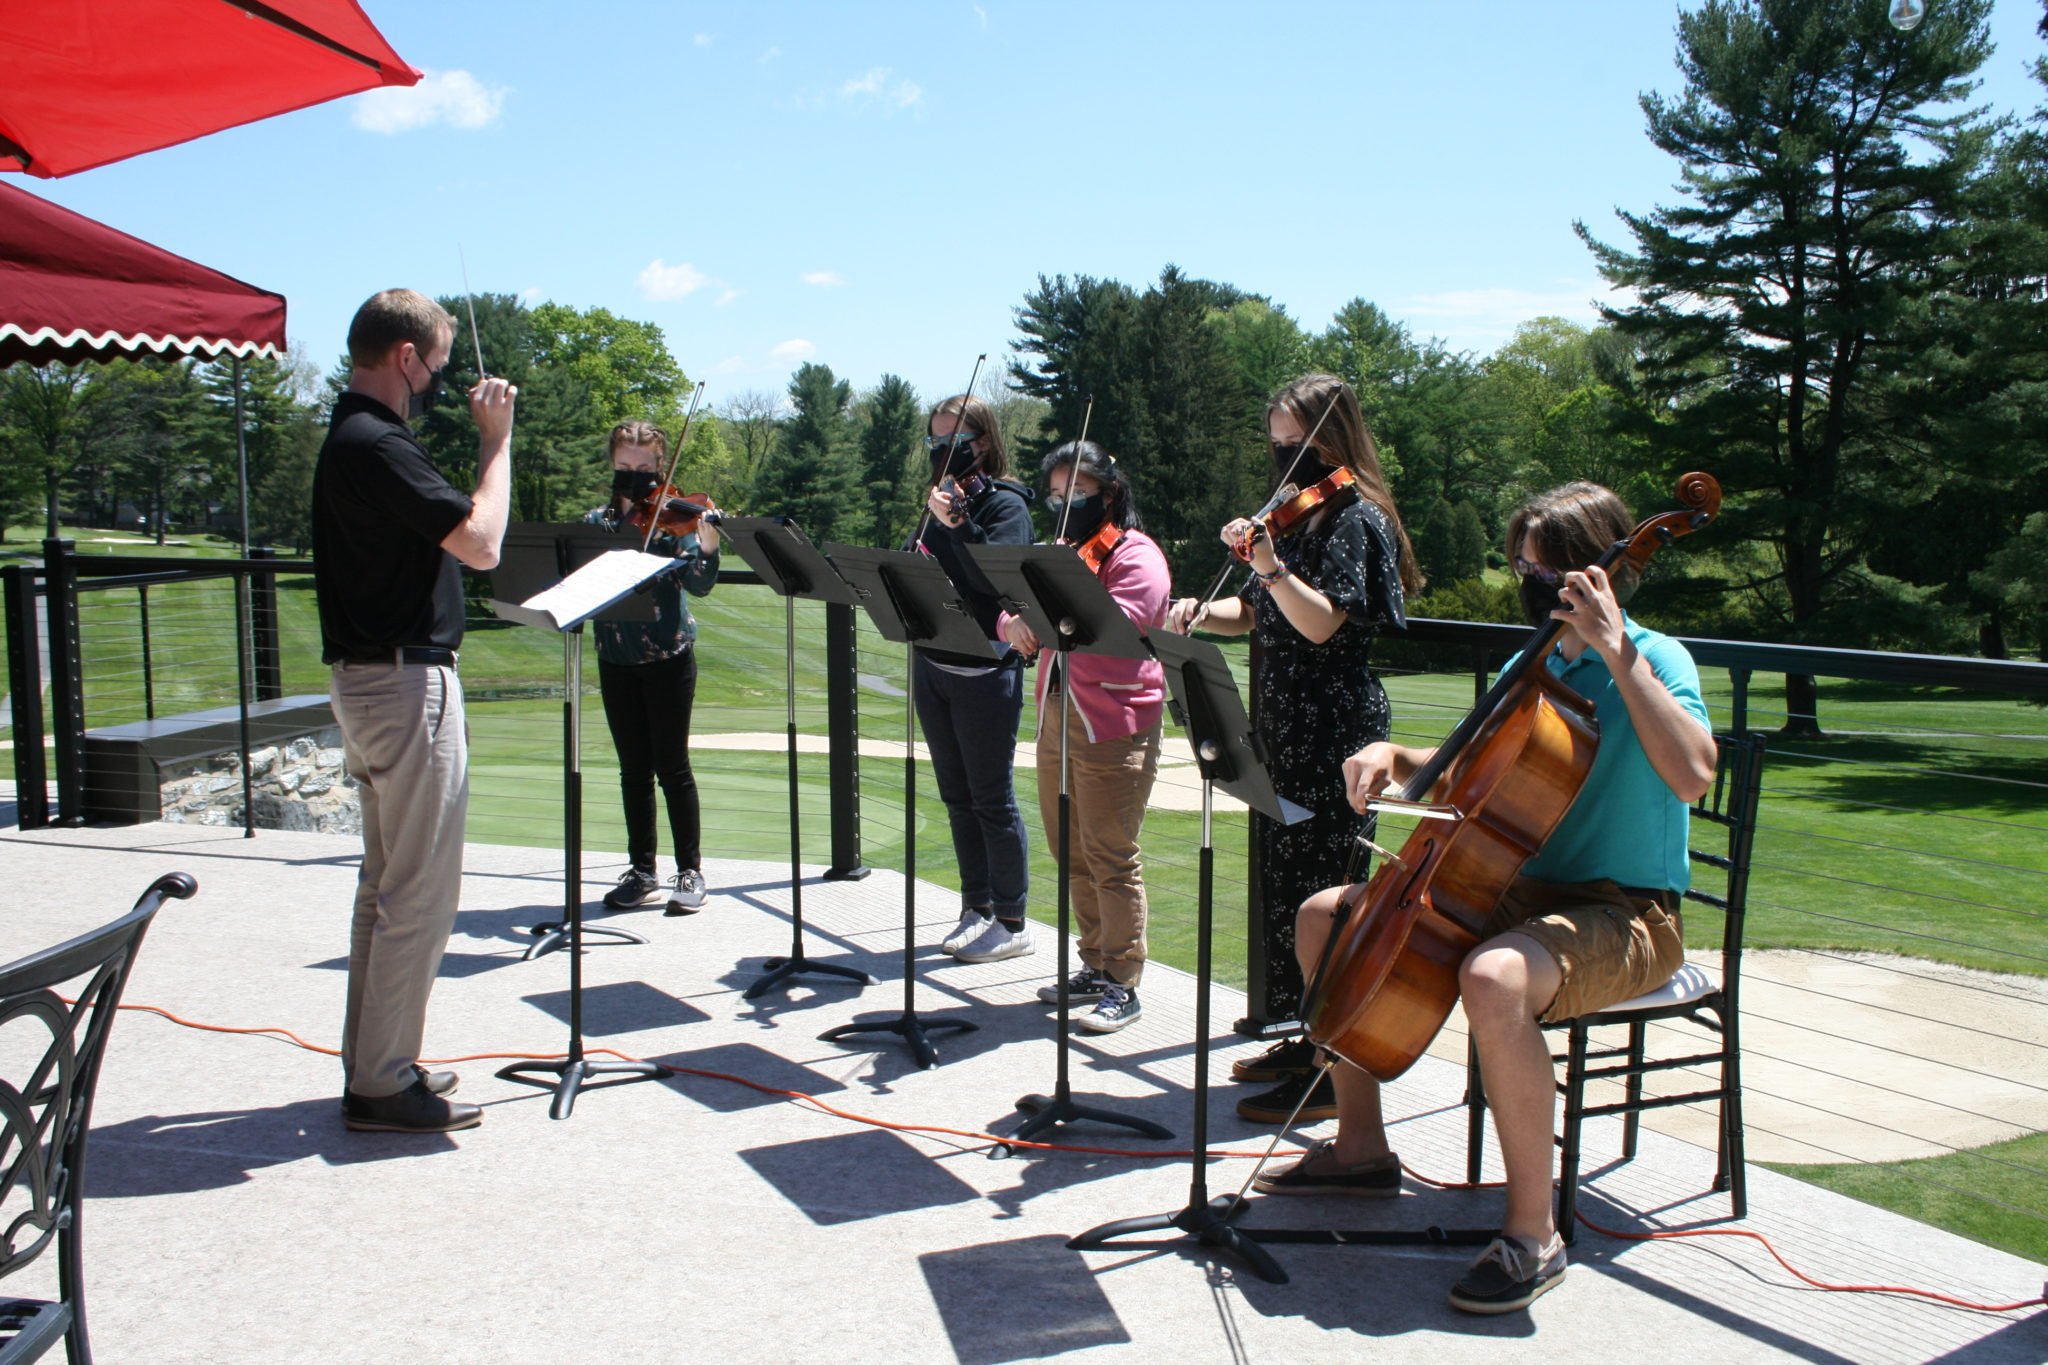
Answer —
380 513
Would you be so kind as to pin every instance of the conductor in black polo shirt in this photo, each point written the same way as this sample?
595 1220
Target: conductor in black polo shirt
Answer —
388 531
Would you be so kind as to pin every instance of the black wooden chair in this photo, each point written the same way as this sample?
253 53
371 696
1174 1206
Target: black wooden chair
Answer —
44 1119
1705 992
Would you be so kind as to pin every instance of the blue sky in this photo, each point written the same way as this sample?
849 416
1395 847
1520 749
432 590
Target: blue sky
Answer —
875 186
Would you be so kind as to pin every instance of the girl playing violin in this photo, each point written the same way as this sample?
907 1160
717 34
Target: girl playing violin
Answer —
647 675
1113 733
968 705
1320 594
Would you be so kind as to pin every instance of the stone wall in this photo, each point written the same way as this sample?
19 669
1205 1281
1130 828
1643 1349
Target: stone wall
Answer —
299 785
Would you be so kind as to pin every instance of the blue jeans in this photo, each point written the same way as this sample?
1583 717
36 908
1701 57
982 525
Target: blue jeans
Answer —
970 728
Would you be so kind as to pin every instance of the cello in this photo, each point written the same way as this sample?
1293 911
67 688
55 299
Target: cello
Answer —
1491 795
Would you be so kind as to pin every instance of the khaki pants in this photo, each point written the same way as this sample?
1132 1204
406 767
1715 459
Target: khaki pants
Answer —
404 738
1109 784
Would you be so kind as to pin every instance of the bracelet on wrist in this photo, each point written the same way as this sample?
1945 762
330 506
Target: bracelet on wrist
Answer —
1274 577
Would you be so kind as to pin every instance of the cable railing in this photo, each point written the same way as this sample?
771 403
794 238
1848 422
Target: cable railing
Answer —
1896 962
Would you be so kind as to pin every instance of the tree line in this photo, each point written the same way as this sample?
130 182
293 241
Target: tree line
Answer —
1840 315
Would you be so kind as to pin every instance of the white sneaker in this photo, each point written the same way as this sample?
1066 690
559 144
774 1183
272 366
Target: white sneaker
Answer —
972 922
996 943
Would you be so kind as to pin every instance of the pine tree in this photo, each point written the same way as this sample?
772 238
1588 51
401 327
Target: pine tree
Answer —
1823 182
813 474
890 428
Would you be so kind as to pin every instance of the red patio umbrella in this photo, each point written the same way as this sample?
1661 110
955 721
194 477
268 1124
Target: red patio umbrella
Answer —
91 81
73 289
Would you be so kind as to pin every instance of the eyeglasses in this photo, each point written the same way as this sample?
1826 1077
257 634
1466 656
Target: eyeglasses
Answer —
1542 573
962 437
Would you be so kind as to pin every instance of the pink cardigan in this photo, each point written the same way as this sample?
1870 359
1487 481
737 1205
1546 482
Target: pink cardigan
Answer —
1117 698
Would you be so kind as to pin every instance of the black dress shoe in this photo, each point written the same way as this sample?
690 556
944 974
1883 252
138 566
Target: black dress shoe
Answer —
439 1082
414 1109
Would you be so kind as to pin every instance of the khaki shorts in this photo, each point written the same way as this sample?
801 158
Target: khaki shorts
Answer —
1612 943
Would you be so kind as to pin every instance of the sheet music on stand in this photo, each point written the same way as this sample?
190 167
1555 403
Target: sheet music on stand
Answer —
612 576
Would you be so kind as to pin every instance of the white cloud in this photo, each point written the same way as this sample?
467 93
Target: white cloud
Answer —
732 364
823 278
1483 319
665 283
982 15
796 348
875 84
703 40
727 297
770 55
455 98
531 294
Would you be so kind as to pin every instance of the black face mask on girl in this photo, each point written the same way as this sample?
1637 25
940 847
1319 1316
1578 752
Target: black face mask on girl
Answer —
633 484
951 457
1300 465
1083 521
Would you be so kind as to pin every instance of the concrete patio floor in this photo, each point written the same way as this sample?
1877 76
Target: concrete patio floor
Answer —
230 1217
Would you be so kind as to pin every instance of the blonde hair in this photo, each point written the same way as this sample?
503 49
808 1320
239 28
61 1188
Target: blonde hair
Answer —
396 315
637 434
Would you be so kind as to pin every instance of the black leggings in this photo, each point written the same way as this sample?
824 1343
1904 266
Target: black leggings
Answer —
648 709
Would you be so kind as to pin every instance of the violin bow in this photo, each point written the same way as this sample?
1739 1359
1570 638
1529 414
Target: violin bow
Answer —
1067 507
1281 494
675 458
952 444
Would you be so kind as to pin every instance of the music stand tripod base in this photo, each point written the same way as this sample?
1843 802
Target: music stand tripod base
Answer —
910 1029
567 1077
1203 1222
781 969
555 934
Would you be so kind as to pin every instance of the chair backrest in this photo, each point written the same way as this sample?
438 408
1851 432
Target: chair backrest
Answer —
43 1117
1724 834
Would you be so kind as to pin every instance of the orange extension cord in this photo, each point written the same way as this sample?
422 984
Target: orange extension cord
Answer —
1014 1143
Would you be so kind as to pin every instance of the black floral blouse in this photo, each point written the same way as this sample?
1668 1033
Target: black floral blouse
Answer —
1315 705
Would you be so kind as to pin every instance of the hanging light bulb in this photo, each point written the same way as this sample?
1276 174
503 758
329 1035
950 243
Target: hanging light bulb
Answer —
1907 14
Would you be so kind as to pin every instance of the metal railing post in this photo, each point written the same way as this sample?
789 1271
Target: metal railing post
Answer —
1738 679
242 681
25 686
67 679
148 672
842 722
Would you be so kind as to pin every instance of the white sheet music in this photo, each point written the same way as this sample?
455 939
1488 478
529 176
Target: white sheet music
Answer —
597 585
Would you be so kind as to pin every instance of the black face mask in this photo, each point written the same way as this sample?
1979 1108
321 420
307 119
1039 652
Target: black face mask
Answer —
953 461
1083 521
1539 599
1302 465
416 404
633 484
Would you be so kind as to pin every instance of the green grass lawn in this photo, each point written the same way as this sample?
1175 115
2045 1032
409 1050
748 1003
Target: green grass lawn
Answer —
1995 1194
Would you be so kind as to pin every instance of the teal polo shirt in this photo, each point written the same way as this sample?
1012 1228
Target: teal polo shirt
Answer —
1626 826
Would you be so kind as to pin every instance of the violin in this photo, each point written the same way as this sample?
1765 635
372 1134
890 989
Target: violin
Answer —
1492 794
672 513
1289 508
1096 550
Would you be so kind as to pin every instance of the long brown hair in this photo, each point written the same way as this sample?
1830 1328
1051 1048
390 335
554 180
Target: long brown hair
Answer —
975 415
1572 524
1345 436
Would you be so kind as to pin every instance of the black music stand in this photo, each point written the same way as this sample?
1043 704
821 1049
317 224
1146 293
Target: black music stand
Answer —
568 598
788 563
1070 612
1229 754
912 602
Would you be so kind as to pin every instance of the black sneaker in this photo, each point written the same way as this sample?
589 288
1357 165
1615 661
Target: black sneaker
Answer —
1319 1172
1117 1007
686 892
1277 1104
1509 1274
414 1109
637 887
1288 1057
1082 987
